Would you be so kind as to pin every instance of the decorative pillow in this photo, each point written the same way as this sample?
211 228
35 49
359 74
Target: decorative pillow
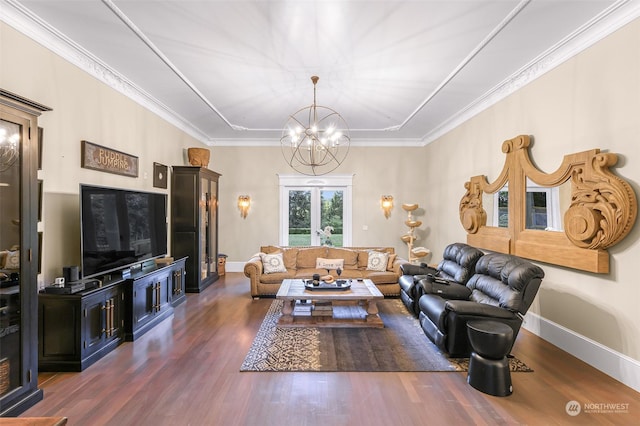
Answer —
12 260
3 256
377 261
392 258
272 263
322 263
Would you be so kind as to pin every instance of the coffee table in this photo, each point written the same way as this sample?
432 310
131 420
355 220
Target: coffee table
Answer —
355 307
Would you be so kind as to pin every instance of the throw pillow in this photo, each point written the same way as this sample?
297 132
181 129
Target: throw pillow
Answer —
322 263
12 260
272 263
377 261
392 258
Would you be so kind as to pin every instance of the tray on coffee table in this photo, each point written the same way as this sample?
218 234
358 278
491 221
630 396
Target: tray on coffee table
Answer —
337 285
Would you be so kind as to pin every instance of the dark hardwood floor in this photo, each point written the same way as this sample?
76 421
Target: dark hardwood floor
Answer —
186 372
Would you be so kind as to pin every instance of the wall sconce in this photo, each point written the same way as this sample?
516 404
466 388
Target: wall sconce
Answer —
244 203
386 202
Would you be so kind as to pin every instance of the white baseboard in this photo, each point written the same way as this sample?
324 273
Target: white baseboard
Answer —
234 266
619 366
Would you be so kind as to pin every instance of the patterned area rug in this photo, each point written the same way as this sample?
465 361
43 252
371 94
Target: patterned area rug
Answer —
400 346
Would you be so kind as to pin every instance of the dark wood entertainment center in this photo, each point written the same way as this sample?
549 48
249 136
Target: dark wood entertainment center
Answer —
76 330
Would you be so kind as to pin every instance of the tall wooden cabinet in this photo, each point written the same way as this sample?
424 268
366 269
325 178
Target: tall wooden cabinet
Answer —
19 253
194 224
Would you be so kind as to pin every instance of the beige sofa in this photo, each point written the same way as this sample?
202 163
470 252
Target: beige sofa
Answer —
303 262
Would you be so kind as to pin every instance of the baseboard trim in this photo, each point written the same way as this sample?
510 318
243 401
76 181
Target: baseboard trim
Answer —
619 366
234 266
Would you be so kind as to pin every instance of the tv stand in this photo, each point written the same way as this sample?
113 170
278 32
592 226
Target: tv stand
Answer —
76 330
137 268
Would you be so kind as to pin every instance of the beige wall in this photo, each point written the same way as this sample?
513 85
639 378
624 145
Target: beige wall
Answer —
377 171
83 109
86 109
591 101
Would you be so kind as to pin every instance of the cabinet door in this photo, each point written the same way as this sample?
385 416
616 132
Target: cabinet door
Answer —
212 236
205 205
209 229
59 330
143 301
163 291
113 313
93 324
178 284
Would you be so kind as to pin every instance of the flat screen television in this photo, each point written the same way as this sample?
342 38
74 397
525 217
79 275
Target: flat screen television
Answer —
120 228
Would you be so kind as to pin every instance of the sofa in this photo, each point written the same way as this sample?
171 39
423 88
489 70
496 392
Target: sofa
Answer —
458 264
272 264
501 289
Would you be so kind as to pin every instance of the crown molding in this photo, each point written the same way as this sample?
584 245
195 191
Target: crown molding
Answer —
609 21
23 20
355 142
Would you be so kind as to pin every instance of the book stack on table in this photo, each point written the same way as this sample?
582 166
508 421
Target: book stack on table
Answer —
322 309
302 308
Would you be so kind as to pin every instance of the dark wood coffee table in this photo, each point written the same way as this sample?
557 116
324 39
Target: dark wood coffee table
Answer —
355 307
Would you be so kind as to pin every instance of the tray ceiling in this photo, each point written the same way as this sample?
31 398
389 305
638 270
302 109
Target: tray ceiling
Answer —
399 72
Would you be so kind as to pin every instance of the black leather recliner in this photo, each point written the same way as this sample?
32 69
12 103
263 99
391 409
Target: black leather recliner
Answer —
502 289
458 264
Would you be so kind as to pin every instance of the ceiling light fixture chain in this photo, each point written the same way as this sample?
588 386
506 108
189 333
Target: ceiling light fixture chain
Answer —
315 140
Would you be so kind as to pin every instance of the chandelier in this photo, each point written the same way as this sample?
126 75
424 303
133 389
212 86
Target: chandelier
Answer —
9 149
315 139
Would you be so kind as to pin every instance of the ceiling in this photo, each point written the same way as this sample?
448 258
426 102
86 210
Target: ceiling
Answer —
399 72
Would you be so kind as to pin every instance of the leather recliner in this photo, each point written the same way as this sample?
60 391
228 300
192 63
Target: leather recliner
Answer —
502 289
458 264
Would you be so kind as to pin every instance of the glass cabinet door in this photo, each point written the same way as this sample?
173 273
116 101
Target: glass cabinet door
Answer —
213 231
10 233
204 228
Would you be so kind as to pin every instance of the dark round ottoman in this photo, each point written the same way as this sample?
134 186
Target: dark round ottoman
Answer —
488 367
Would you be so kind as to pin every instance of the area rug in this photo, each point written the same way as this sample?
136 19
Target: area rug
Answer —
400 346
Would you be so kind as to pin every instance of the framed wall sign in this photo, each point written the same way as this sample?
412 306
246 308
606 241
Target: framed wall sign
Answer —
96 157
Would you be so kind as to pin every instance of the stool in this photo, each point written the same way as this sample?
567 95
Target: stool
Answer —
488 367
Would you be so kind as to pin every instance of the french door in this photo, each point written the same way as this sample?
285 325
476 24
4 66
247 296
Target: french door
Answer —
315 212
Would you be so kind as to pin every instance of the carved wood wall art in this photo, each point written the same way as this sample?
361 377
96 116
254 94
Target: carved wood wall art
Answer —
602 211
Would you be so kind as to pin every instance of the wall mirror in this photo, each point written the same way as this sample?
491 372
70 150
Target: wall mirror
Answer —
568 217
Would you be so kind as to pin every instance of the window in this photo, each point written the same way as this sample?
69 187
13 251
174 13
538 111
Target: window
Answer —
501 207
542 208
315 210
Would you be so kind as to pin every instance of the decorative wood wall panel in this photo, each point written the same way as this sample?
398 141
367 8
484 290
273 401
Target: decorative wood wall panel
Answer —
602 211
